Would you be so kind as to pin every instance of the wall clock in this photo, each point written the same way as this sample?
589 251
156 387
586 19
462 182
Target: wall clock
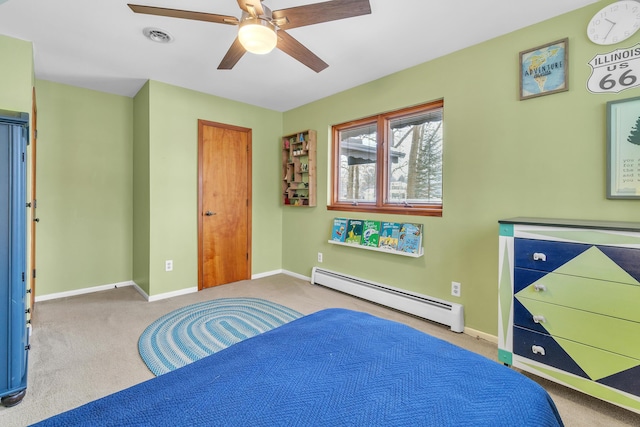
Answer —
615 22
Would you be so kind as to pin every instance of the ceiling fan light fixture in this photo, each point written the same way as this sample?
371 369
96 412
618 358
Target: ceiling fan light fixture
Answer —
257 35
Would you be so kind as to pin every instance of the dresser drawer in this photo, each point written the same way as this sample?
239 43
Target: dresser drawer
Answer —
599 365
605 332
544 349
597 296
545 255
615 264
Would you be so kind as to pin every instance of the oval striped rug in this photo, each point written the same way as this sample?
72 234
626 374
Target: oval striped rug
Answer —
198 330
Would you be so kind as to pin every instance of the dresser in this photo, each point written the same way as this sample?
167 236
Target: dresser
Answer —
569 304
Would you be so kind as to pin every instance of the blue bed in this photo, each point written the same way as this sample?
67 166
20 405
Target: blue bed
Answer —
335 367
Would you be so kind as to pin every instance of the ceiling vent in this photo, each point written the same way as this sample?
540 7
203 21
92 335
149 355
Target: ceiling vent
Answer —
157 35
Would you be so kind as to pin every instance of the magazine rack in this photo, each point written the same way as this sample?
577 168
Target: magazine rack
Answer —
387 251
381 236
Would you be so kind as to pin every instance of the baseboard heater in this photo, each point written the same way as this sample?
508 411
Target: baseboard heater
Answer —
436 310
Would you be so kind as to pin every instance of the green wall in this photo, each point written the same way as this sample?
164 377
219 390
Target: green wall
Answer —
173 115
141 185
502 158
84 180
16 74
117 186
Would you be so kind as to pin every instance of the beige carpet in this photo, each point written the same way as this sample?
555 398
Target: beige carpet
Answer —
85 347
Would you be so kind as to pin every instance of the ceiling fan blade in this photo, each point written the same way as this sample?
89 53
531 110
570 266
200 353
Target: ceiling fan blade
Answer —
252 7
296 50
233 55
320 12
184 14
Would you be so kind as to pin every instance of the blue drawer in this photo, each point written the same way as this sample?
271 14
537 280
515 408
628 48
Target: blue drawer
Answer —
545 255
525 341
523 318
523 278
627 258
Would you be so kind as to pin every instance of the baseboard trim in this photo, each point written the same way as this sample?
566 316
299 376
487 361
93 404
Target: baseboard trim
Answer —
296 275
116 285
265 274
83 291
166 295
140 291
482 335
149 298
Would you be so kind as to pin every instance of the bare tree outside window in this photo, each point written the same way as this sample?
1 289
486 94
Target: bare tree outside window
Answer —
401 175
358 163
417 175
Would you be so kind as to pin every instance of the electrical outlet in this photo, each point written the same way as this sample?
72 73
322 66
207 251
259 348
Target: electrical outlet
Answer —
456 288
319 256
168 265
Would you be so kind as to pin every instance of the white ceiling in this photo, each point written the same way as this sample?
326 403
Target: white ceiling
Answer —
98 44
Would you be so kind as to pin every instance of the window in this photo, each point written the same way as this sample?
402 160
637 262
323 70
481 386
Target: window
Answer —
390 163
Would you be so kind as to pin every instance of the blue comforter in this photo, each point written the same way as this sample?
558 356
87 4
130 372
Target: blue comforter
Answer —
332 368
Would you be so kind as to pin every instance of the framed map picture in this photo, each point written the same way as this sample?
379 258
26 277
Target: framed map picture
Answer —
623 149
544 69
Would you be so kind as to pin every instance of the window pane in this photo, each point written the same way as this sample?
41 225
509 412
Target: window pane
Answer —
358 164
415 158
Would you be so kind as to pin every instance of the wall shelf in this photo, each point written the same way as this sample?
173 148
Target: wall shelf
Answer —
299 169
371 248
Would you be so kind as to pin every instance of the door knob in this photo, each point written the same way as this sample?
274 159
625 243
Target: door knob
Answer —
36 219
209 213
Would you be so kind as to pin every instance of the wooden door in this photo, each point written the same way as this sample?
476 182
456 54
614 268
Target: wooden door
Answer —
224 204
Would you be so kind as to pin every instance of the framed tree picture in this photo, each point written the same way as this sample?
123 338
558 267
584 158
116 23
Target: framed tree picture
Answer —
623 149
544 69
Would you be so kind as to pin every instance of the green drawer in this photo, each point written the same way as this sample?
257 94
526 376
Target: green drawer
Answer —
604 332
596 363
597 296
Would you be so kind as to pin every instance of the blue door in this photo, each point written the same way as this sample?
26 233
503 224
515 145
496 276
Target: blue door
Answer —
13 232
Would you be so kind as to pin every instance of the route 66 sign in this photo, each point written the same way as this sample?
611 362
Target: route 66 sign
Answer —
615 71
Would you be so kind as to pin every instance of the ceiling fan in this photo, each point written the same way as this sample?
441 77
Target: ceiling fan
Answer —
260 29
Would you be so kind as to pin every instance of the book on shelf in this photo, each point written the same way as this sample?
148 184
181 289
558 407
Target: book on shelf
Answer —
389 232
354 231
410 238
339 230
370 233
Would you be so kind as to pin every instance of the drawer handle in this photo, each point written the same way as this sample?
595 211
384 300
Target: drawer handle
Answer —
539 318
537 256
538 349
539 287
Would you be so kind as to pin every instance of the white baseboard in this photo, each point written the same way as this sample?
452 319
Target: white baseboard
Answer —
147 297
483 335
296 275
265 274
274 272
83 291
166 295
116 285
